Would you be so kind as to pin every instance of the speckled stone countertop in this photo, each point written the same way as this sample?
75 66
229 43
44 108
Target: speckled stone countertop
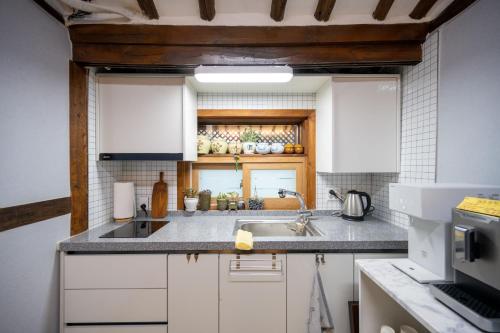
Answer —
214 232
414 297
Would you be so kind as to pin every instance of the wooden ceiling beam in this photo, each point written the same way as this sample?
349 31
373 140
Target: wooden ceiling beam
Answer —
384 54
324 10
421 9
278 10
207 9
149 9
50 10
246 36
382 9
453 9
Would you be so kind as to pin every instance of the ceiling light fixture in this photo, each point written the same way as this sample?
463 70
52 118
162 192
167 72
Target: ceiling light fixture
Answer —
243 74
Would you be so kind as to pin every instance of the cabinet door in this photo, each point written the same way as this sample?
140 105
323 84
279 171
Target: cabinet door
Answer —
140 114
366 124
252 293
370 256
189 122
337 276
193 293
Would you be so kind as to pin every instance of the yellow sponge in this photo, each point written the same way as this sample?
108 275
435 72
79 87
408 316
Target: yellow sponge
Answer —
481 205
244 240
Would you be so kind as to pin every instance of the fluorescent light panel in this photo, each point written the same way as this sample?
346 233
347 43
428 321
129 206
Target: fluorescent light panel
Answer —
243 74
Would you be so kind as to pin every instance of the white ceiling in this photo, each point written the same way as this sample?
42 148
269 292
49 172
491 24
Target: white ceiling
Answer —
298 84
256 12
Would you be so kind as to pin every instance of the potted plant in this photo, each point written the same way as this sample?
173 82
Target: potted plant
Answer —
190 199
222 201
232 198
249 139
205 197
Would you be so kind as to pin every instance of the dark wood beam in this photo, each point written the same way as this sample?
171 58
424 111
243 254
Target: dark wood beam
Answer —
246 36
50 10
421 9
18 216
324 10
330 55
149 9
207 9
278 10
453 9
78 146
382 9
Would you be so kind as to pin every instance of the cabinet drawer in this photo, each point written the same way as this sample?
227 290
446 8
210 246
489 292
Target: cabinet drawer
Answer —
117 329
115 306
115 271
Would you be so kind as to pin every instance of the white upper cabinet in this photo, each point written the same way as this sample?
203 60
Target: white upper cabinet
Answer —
358 124
145 117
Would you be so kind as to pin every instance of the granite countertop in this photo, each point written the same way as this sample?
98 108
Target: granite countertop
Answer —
212 231
414 297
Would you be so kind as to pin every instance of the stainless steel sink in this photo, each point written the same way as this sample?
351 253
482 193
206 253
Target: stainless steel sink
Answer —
275 228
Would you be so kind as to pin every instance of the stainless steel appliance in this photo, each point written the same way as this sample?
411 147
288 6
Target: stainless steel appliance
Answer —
475 248
136 229
353 206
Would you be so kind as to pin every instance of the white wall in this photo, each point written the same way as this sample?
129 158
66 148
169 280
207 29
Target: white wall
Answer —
34 145
469 104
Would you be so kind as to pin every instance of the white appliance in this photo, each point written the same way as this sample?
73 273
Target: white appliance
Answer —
429 207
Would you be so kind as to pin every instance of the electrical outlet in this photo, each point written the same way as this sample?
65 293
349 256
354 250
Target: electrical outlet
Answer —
336 190
143 199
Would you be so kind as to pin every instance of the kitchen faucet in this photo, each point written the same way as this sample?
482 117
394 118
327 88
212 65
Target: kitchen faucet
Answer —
304 213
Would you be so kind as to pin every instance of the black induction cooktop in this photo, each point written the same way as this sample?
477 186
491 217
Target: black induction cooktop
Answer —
136 229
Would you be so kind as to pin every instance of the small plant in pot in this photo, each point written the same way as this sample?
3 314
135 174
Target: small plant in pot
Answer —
232 199
205 197
249 139
222 201
190 199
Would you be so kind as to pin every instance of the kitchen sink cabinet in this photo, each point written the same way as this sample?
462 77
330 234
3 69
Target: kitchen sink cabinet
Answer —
145 117
336 270
252 293
193 293
358 124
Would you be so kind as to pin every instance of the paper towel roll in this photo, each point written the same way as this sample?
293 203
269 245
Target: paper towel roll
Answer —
124 201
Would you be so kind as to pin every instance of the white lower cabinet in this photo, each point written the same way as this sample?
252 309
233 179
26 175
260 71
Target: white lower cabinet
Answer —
193 293
252 293
336 270
118 329
370 256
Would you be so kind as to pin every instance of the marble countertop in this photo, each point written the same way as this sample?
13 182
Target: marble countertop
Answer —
214 232
414 297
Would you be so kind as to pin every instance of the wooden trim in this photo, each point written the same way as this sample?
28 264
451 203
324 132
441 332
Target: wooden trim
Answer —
453 9
78 153
324 10
421 9
375 54
50 10
149 9
309 143
183 181
256 158
207 9
253 116
225 36
18 216
382 9
278 10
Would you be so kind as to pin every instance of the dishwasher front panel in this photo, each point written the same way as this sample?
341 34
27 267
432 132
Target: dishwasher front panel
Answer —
252 293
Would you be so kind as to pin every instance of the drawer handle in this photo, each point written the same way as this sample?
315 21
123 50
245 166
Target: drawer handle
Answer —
255 265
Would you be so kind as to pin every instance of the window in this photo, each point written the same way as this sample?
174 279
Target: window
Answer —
265 179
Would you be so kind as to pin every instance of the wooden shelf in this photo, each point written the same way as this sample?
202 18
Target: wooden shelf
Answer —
249 158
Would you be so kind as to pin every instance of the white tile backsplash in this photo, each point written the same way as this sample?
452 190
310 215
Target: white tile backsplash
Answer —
419 86
256 100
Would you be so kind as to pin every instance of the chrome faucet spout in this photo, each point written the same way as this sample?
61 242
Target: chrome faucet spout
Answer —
303 208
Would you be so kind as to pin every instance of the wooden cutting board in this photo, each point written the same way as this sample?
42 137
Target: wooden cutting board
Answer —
159 199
